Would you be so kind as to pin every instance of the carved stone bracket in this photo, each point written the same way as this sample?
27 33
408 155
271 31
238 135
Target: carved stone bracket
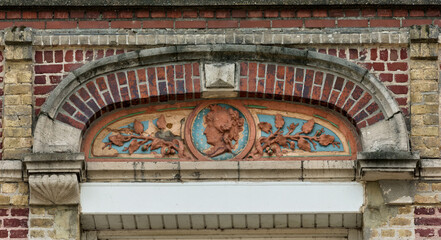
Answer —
373 166
54 178
55 189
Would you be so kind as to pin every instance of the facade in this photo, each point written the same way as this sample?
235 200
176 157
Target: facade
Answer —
220 120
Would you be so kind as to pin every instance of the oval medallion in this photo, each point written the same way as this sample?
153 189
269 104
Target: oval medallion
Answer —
220 131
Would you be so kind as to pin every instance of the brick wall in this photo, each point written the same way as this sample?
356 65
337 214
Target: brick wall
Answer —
51 65
2 74
218 18
14 211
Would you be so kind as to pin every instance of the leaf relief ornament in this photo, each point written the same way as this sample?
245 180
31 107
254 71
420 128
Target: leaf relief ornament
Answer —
272 144
168 143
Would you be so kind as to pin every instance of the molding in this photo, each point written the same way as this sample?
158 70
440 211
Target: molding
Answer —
38 163
430 169
338 170
206 3
11 170
373 166
55 189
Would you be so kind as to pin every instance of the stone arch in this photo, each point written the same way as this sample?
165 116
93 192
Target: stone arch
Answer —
141 77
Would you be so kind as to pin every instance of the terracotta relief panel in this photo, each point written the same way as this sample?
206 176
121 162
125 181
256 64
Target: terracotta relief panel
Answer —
221 130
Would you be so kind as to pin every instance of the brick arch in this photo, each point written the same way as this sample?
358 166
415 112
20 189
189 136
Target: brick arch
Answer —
175 73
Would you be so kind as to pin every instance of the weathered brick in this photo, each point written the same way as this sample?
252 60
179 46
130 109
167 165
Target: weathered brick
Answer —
41 222
424 211
15 223
387 233
425 232
9 187
425 199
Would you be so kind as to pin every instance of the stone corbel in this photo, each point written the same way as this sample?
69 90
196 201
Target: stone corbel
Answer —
54 178
373 166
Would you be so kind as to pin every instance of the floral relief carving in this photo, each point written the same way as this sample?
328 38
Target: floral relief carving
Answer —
168 143
272 144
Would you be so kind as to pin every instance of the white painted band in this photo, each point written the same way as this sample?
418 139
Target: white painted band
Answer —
221 197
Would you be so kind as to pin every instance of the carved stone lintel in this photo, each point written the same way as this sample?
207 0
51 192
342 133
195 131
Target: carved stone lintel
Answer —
55 189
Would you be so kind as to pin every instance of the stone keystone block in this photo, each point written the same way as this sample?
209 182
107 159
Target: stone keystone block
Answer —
219 75
18 35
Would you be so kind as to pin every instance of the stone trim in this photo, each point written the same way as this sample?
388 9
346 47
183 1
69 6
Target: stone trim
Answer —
55 189
331 170
118 37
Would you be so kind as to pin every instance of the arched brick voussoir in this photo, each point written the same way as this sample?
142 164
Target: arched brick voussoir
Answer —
370 99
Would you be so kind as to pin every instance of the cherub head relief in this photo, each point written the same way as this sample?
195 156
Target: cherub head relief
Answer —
223 126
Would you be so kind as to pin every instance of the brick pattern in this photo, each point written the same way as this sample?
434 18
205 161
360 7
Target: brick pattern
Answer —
218 18
45 222
162 83
427 222
398 227
299 84
51 65
14 223
2 74
15 194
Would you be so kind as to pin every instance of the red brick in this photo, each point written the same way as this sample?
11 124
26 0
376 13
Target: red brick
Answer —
222 14
125 14
4 212
372 108
416 13
29 15
393 55
4 25
110 52
33 24
384 55
142 13
61 14
206 14
433 13
41 90
287 13
190 14
125 24
384 12
190 24
48 56
425 232
401 12
428 221
397 89
386 77
374 54
157 24
361 125
53 68
77 13
71 67
2 14
70 121
287 23
69 56
255 24
13 14
304 13
411 22
378 66
61 24
55 79
345 94
271 13
157 14
385 23
255 13
353 54
79 55
352 12
289 83
319 13
40 79
401 78
397 66
336 13
357 93
360 104
15 223
45 15
401 101
92 14
222 24
93 24
239 13
319 23
174 14
437 22
110 14
369 12
18 233
252 79
377 117
424 211
4 233
281 72
353 23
